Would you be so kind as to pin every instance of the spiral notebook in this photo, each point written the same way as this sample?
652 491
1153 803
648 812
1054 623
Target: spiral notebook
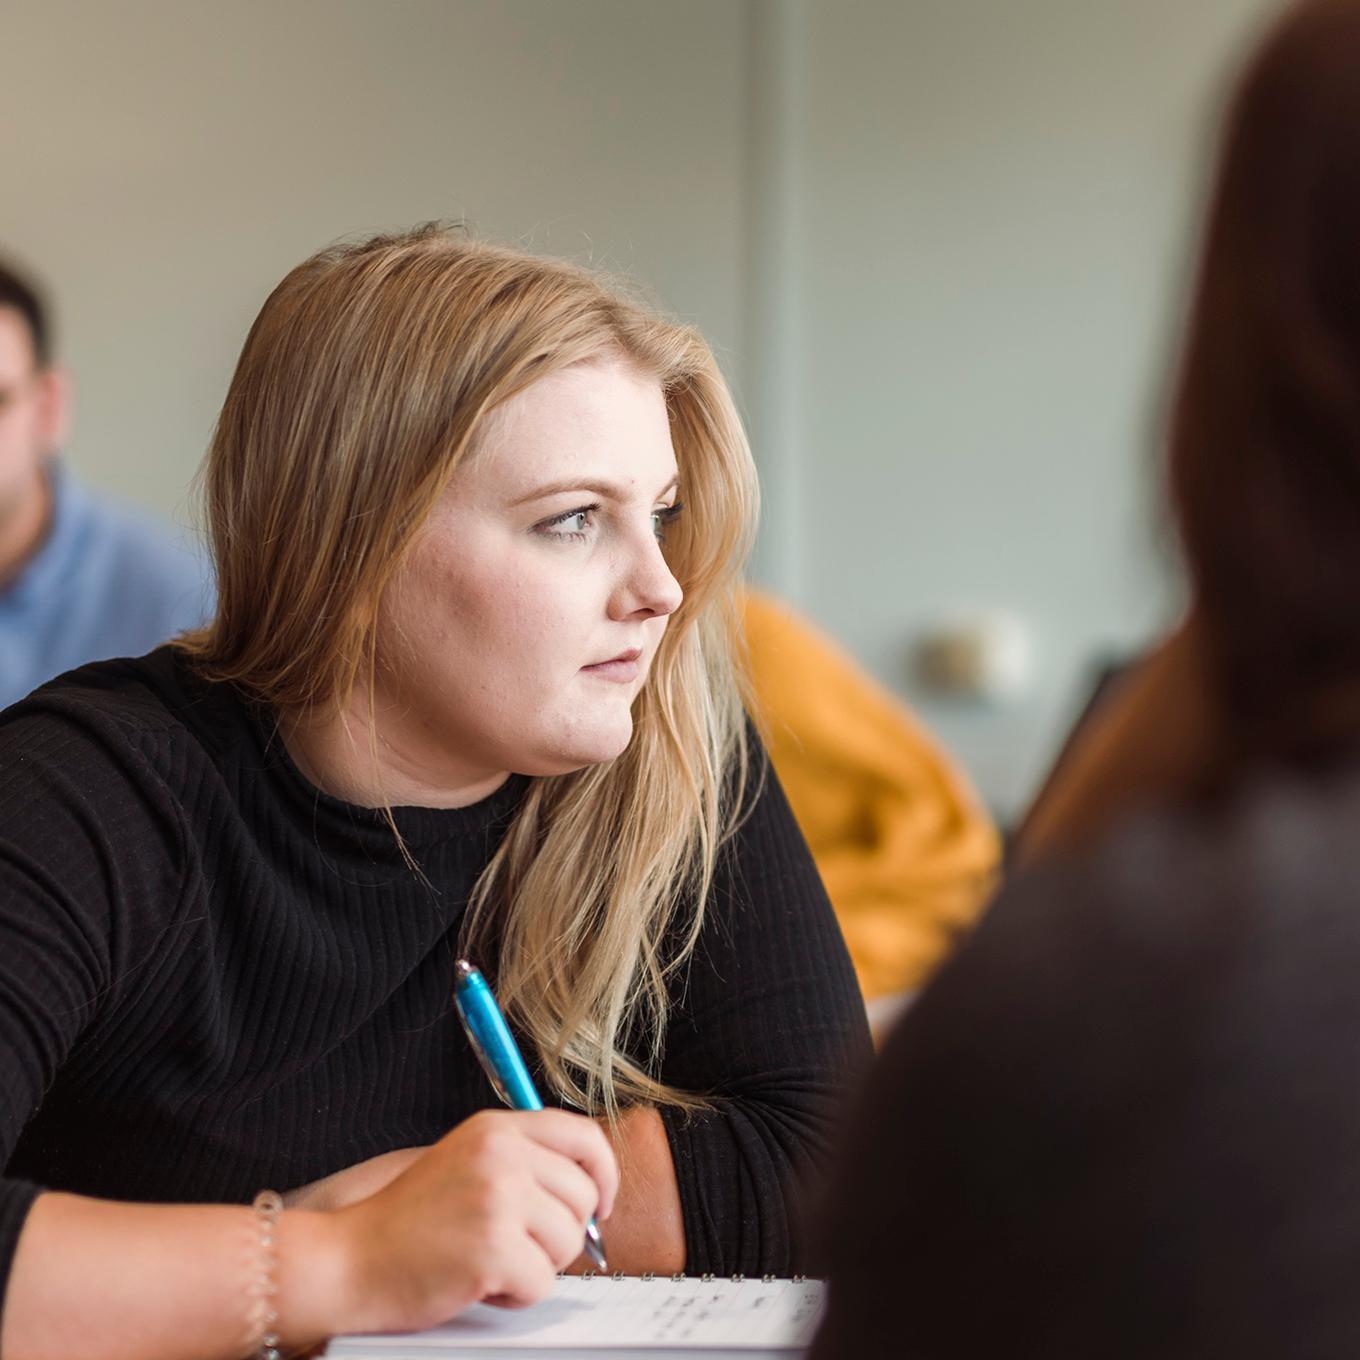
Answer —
616 1316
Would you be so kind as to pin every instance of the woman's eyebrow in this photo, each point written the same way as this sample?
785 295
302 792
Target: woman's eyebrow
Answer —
607 490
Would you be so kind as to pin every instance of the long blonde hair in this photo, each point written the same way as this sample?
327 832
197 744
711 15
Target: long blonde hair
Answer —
361 387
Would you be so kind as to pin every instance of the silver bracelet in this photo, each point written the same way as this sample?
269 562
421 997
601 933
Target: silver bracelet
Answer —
264 1285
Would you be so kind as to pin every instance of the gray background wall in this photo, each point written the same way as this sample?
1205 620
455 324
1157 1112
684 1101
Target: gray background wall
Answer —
940 246
997 199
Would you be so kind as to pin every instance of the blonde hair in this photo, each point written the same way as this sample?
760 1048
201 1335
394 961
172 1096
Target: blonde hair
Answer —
362 385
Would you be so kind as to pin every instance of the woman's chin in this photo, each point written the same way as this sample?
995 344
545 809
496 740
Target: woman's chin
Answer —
581 751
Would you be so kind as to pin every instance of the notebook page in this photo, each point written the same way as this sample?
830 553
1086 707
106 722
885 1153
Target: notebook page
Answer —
606 1313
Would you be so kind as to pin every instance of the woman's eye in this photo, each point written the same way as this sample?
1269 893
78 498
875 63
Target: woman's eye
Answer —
572 524
661 520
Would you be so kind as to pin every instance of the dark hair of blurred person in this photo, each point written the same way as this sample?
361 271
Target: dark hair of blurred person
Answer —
1265 447
82 576
23 297
1123 1121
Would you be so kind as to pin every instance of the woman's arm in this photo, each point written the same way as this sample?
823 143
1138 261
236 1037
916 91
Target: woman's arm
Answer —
646 1231
492 1212
98 1278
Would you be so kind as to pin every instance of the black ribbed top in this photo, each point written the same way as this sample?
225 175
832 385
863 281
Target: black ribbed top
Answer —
214 978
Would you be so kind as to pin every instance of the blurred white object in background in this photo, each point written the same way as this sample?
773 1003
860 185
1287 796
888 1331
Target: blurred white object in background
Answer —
985 658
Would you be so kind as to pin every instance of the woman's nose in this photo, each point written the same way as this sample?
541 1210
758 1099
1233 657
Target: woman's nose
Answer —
649 589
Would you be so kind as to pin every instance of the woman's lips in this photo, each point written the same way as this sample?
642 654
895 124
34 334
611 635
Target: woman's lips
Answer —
620 669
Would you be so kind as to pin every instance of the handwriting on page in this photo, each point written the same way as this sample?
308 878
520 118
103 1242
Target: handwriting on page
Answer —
633 1313
726 1314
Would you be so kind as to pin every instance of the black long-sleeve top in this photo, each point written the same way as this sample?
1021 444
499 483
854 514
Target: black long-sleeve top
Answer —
214 978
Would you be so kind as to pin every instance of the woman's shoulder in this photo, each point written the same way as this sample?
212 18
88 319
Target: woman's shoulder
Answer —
118 720
99 772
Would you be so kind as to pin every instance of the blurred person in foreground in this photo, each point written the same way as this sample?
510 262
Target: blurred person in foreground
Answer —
906 851
82 577
1123 1122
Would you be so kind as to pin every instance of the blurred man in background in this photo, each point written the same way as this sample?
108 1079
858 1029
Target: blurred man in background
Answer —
81 577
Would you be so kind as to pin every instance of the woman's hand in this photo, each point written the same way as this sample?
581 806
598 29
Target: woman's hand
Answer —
489 1213
354 1183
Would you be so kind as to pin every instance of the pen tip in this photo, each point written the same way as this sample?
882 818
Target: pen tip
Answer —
595 1246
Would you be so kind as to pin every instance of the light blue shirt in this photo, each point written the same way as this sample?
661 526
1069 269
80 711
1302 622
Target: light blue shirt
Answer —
108 580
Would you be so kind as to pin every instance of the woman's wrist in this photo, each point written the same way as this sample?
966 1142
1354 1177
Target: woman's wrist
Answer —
319 1281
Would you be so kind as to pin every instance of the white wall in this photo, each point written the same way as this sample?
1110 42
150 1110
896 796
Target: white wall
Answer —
938 244
165 163
994 203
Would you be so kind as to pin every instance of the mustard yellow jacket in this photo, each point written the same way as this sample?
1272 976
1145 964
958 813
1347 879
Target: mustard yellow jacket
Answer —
904 847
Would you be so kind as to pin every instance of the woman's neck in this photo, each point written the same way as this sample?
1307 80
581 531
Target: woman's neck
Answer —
375 763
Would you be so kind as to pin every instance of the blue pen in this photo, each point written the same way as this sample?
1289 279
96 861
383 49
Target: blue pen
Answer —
499 1055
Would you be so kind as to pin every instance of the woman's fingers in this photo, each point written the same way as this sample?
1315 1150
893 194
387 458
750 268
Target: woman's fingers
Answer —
529 1274
566 1181
582 1141
556 1228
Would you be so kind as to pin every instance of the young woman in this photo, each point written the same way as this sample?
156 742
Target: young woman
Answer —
470 688
1124 1121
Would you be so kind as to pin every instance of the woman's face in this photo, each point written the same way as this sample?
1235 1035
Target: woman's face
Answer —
523 621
